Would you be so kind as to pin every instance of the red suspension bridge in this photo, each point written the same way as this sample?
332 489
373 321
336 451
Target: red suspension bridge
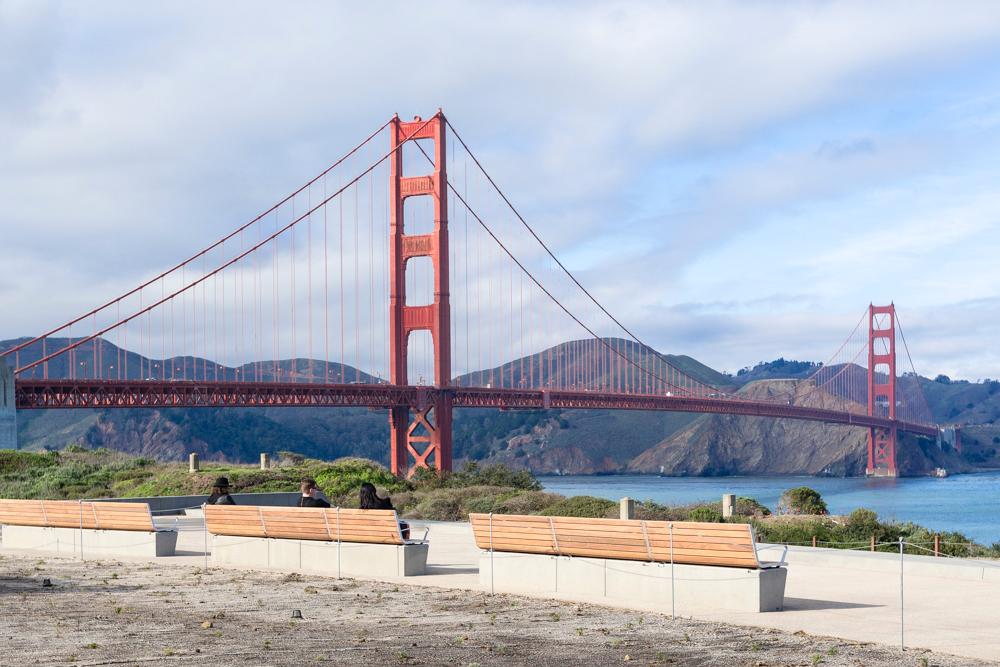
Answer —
257 318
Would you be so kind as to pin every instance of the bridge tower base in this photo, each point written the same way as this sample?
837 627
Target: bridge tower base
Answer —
8 408
882 452
425 440
882 389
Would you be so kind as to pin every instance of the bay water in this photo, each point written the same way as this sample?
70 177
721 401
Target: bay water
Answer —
969 504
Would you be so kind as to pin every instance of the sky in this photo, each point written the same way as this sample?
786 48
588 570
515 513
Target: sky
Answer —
737 181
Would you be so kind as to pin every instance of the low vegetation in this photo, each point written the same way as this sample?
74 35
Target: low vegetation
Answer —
802 514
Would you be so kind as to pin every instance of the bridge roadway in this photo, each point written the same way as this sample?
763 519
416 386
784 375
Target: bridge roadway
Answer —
50 394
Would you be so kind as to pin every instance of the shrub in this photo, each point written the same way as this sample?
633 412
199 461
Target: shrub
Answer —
344 477
749 507
493 474
783 531
585 506
527 502
12 461
439 507
705 514
802 500
861 523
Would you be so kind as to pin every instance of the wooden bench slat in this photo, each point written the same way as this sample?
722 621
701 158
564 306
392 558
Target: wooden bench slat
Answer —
76 514
728 545
316 524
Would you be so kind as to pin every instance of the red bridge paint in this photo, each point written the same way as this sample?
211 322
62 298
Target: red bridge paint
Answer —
597 372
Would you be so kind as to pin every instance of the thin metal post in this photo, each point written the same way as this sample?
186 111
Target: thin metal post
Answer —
491 553
204 521
338 541
902 644
80 503
673 610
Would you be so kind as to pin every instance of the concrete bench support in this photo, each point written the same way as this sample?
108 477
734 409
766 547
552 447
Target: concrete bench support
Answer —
356 558
698 587
95 543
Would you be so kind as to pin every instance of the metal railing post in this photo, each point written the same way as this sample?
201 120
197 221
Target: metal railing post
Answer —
673 597
204 521
902 643
80 503
338 541
491 554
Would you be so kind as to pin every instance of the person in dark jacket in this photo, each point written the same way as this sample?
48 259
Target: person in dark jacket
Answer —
220 493
311 495
370 500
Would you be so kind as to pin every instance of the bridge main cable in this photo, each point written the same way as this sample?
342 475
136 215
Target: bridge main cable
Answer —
559 263
555 300
245 253
201 253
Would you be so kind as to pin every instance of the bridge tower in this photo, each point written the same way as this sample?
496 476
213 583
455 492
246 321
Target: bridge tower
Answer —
427 437
882 389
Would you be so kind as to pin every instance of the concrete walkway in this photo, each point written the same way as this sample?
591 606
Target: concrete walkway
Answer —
952 606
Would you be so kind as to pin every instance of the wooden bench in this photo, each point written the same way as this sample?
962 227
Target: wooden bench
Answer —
106 528
634 559
335 540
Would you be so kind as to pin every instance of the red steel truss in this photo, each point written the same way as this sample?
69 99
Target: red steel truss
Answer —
427 438
882 389
36 394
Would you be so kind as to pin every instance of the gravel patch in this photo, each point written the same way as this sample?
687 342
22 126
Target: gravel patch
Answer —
113 613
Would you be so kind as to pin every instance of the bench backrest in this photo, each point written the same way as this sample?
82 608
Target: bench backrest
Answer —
304 523
76 514
724 544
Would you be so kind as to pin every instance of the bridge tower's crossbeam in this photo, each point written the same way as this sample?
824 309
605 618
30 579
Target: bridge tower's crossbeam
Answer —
882 389
426 441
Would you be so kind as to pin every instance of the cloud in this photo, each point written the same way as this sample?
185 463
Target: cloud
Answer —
641 139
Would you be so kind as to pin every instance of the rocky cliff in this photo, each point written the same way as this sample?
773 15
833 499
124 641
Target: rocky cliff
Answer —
730 445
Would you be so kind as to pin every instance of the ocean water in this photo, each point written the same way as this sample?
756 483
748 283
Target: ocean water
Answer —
969 504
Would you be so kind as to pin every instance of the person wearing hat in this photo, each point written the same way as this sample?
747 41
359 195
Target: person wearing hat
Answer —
220 493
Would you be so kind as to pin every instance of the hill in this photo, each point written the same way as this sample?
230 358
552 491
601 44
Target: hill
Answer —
545 442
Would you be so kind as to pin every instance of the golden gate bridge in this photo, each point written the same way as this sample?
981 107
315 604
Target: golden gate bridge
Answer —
406 263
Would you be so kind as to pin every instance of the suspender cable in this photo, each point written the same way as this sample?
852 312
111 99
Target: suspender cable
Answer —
219 269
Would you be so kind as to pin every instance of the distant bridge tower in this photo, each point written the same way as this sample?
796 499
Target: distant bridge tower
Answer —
882 389
427 438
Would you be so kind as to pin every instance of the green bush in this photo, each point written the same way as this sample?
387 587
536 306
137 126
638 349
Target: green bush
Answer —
527 502
705 514
749 507
802 500
345 476
781 531
862 523
493 474
585 506
439 507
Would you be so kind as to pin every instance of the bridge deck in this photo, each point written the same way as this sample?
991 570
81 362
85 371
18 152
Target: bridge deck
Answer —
43 394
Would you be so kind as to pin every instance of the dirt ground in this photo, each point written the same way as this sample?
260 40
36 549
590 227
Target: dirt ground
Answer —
112 613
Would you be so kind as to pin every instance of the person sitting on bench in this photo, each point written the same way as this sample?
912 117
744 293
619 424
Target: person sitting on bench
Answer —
220 493
370 500
311 495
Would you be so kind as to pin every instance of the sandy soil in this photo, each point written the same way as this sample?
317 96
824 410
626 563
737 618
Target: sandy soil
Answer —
111 613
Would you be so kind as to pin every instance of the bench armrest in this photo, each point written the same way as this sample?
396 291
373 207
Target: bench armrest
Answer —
780 563
422 540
